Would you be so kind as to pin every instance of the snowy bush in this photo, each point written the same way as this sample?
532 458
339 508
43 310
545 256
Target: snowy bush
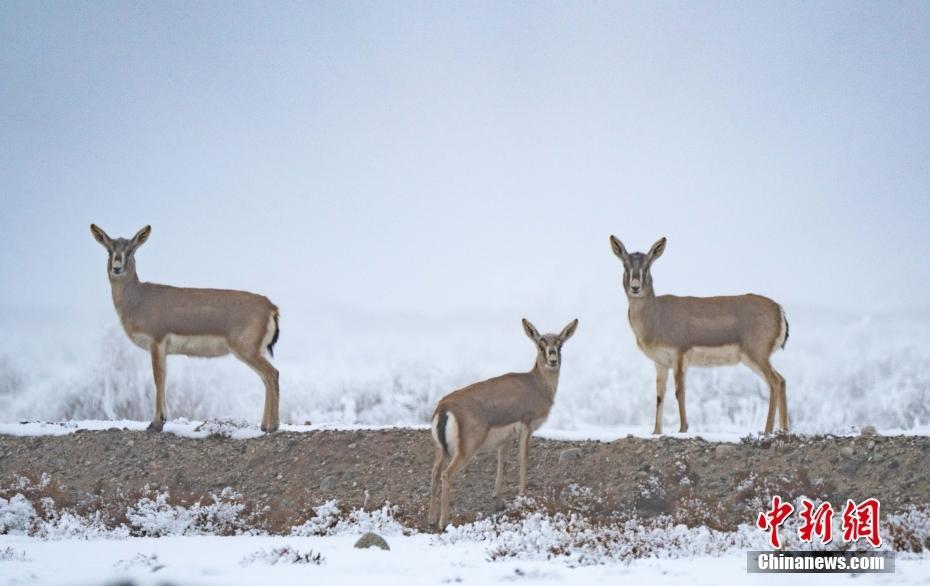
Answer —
525 533
67 525
224 427
140 560
910 530
156 517
282 555
577 540
9 554
16 514
330 519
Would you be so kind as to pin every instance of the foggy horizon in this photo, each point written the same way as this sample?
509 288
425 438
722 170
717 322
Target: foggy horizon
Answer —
460 159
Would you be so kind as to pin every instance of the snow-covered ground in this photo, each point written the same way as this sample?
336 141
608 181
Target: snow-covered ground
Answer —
243 429
162 544
412 560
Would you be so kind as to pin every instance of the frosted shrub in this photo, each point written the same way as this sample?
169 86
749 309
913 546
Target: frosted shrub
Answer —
155 517
330 519
68 525
140 560
282 555
910 530
9 554
16 514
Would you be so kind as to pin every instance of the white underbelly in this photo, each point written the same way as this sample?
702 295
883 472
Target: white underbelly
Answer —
141 340
696 356
204 346
498 435
713 355
663 356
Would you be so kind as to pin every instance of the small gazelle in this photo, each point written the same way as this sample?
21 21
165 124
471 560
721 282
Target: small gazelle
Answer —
678 332
488 413
167 320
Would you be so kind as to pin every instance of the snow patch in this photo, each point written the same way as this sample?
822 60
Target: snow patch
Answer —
331 519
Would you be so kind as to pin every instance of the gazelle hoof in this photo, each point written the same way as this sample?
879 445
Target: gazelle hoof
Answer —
270 428
156 425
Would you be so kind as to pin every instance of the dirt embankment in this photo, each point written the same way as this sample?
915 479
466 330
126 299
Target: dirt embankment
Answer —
281 477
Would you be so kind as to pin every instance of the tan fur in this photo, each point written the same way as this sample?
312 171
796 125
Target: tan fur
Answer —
194 322
678 332
485 415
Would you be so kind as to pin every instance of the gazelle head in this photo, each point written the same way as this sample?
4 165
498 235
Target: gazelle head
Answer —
637 280
121 261
549 346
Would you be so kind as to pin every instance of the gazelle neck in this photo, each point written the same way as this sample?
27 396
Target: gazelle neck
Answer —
124 291
547 377
640 309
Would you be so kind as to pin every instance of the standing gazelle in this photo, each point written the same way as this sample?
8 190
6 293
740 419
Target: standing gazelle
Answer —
677 332
487 413
195 322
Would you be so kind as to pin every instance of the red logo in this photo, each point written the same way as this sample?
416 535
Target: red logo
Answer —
772 520
862 521
817 522
859 521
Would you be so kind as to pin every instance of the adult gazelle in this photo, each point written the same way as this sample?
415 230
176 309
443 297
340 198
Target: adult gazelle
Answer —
678 332
167 320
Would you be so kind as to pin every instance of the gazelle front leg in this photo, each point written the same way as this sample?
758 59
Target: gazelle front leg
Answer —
661 384
499 480
524 450
159 366
680 393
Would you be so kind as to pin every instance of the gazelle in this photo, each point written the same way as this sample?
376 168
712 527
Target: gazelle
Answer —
195 322
488 413
678 332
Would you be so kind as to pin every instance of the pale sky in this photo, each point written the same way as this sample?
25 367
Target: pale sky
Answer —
441 157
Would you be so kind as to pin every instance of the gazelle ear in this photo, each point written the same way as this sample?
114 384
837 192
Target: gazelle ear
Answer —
569 330
141 236
530 330
618 248
657 249
100 236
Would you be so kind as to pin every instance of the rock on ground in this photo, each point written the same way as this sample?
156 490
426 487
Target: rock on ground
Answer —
371 540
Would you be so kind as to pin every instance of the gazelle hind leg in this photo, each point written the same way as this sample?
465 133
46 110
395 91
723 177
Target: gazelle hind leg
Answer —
782 400
458 462
499 479
764 369
269 376
433 515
